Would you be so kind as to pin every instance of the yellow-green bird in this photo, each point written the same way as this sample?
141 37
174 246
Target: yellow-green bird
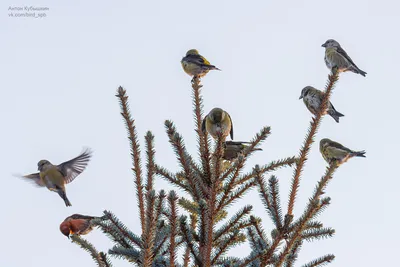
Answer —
312 98
217 122
232 149
336 57
195 64
54 177
334 152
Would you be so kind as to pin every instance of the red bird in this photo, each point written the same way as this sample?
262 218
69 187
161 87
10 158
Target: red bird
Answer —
77 224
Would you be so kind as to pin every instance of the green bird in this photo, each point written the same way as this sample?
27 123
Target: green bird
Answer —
232 149
336 57
195 64
312 98
334 152
54 177
218 121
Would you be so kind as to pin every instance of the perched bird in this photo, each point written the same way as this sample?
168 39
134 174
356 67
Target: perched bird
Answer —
77 224
195 64
336 57
54 177
312 98
232 149
334 152
218 121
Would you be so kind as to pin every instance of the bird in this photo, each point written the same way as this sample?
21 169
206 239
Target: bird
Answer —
232 149
336 57
312 98
54 177
218 121
77 224
195 64
333 152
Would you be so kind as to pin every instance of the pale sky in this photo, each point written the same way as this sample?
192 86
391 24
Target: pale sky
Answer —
60 74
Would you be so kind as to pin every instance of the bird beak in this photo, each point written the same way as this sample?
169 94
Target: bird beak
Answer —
323 45
301 97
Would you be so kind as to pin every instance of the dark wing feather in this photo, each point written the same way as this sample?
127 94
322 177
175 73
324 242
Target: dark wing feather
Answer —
72 168
79 216
203 125
344 54
231 132
339 146
196 59
33 178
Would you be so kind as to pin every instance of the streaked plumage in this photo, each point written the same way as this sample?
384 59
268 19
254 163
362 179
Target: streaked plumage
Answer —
217 121
54 177
335 56
196 65
232 149
312 98
77 224
334 152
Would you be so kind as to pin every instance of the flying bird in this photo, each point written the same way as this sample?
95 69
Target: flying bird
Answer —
55 177
195 64
232 149
218 121
312 98
336 57
334 152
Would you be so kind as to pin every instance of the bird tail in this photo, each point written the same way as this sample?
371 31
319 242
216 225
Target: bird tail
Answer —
212 67
63 195
335 115
358 71
358 154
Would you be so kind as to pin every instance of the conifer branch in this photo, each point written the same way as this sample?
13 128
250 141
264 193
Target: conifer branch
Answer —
89 248
171 178
224 246
188 238
132 255
196 185
260 232
275 201
322 261
293 254
150 166
238 165
238 193
173 221
203 140
233 222
105 259
272 166
118 231
149 235
311 235
315 122
135 151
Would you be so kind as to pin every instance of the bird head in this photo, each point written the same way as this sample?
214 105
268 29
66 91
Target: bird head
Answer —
330 43
42 164
192 52
65 229
305 91
217 115
324 142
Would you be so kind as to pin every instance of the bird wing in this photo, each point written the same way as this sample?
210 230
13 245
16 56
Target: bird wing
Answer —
344 54
33 178
79 216
203 125
338 146
72 168
198 60
231 132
